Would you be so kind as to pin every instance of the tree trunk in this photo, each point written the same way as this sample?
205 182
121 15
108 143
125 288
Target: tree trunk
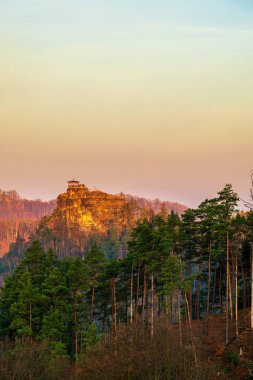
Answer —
214 289
112 308
30 320
104 320
173 310
131 294
81 342
137 290
191 332
126 306
244 300
233 280
115 306
227 288
144 293
209 281
75 328
159 305
190 291
167 306
251 312
179 318
92 303
220 291
230 284
236 294
208 288
199 288
152 306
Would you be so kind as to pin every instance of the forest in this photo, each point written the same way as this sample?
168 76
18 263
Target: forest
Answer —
19 217
177 306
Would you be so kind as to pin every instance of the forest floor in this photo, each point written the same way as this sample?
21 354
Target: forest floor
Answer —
235 359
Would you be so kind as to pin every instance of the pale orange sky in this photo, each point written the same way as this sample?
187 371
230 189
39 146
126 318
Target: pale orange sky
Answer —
154 101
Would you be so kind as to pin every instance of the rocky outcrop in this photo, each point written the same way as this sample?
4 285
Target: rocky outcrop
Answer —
82 215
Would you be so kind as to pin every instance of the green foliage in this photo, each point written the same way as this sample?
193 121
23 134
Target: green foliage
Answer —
22 300
90 337
228 200
43 296
232 357
58 349
53 325
171 275
96 262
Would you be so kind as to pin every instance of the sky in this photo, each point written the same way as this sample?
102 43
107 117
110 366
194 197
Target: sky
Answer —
152 98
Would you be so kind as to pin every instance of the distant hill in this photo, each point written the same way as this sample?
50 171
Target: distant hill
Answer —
19 217
157 205
15 208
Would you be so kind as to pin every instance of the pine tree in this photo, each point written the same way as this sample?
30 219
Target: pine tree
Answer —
78 285
228 201
22 301
96 261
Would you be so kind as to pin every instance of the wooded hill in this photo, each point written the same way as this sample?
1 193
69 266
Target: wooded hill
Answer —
20 218
71 223
143 307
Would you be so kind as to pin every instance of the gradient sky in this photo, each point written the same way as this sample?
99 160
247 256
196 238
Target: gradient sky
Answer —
153 97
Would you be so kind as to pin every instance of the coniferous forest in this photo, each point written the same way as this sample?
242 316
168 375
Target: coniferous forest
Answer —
177 306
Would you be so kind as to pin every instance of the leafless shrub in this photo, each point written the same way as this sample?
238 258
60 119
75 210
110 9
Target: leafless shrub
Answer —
133 354
24 359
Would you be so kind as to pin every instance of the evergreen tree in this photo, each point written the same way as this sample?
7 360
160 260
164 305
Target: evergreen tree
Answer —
228 201
96 261
22 300
78 285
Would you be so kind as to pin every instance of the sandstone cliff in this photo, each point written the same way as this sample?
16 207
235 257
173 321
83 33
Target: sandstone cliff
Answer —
82 215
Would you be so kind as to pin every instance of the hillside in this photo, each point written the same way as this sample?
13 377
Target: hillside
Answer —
156 204
12 207
19 217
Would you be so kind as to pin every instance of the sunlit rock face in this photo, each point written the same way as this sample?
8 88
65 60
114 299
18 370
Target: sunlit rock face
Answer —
83 215
84 211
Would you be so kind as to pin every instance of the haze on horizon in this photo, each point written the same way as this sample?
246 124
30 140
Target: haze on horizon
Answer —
152 98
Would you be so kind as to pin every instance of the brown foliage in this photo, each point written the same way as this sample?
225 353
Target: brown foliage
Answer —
134 355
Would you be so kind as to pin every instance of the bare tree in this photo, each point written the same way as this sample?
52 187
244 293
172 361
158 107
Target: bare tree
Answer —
249 204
